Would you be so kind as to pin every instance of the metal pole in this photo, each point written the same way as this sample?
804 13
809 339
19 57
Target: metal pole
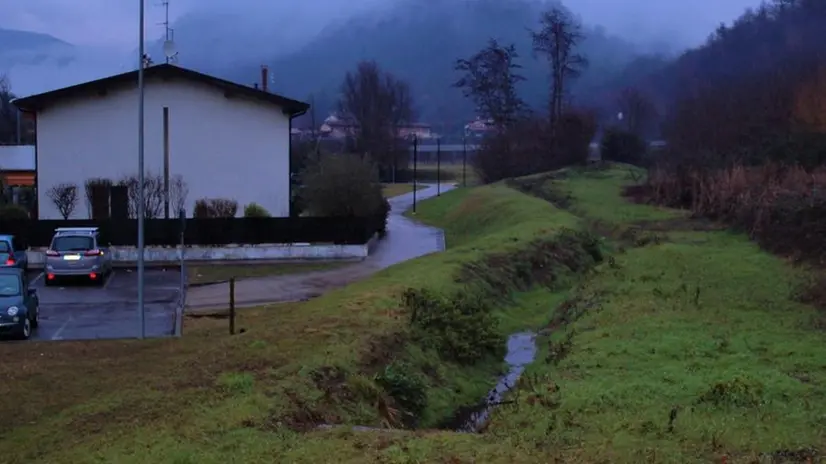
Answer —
182 218
438 167
141 186
464 161
415 161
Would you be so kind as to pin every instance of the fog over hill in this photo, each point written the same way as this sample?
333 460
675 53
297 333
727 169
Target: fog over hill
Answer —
309 45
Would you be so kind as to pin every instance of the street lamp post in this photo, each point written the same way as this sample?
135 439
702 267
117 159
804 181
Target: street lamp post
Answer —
140 208
415 163
464 161
438 167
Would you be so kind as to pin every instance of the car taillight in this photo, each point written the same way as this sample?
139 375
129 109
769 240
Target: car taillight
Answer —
10 262
93 253
52 253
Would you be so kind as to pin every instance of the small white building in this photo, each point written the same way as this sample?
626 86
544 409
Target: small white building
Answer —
223 139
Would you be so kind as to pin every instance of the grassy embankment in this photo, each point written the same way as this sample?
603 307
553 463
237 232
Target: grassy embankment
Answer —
351 356
684 321
693 347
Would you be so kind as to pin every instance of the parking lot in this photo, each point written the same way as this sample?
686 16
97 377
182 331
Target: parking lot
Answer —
85 312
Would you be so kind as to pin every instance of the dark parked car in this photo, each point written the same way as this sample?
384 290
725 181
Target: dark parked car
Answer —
13 253
19 304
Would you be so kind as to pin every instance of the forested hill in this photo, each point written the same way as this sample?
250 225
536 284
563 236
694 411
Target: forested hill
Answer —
759 78
419 41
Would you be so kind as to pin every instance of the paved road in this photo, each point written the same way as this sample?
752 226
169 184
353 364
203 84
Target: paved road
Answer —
82 312
405 240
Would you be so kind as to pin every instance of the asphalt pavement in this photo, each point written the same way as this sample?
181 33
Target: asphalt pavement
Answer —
74 311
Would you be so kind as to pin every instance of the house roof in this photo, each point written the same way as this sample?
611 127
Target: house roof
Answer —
164 70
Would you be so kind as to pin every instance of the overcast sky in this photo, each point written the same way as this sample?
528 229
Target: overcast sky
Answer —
113 22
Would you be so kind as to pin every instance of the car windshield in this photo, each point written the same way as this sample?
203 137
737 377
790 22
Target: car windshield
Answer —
73 243
9 285
4 246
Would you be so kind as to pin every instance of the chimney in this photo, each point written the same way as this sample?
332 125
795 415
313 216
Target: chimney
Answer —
255 84
264 77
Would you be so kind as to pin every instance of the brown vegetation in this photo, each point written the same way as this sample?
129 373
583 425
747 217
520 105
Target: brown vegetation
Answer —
783 208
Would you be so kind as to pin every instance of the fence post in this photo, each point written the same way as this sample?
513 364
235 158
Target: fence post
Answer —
232 305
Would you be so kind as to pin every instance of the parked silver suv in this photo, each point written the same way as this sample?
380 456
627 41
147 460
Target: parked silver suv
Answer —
77 252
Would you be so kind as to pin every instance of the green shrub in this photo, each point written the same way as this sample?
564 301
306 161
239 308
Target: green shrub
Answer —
254 210
461 328
207 208
343 186
407 387
13 212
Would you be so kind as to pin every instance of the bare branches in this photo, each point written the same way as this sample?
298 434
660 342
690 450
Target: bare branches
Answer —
154 194
377 104
65 198
637 111
489 78
556 40
91 186
8 113
178 192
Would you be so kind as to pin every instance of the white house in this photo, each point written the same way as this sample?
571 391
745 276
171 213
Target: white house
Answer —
224 139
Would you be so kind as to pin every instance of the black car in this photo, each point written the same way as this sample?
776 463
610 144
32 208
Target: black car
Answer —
19 304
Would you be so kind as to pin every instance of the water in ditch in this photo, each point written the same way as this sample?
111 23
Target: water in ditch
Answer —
521 352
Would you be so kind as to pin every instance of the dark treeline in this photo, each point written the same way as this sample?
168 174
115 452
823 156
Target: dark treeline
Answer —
754 90
745 122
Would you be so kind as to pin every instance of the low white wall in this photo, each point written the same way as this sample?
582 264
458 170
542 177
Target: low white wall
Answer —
158 256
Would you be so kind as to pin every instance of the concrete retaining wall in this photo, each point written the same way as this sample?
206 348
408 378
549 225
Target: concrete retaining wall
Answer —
164 256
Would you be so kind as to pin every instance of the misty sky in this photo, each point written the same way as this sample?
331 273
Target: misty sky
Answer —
113 23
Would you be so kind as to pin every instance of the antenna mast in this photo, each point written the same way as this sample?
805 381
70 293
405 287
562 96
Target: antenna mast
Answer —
168 32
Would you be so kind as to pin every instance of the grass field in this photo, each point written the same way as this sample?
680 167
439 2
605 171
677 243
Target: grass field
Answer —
686 345
394 190
206 274
209 397
448 172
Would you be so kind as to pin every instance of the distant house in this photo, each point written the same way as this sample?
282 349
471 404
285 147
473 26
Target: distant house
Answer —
479 127
224 139
338 128
17 165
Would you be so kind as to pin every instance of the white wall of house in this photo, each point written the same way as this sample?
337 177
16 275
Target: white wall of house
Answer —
223 147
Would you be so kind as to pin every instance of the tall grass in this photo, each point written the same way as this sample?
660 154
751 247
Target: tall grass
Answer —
783 207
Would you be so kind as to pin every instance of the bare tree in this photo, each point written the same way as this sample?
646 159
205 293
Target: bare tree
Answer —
637 111
153 194
377 104
64 197
90 186
8 113
178 192
489 78
556 40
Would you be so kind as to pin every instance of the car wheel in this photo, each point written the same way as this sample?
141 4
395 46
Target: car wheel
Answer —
26 330
36 319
